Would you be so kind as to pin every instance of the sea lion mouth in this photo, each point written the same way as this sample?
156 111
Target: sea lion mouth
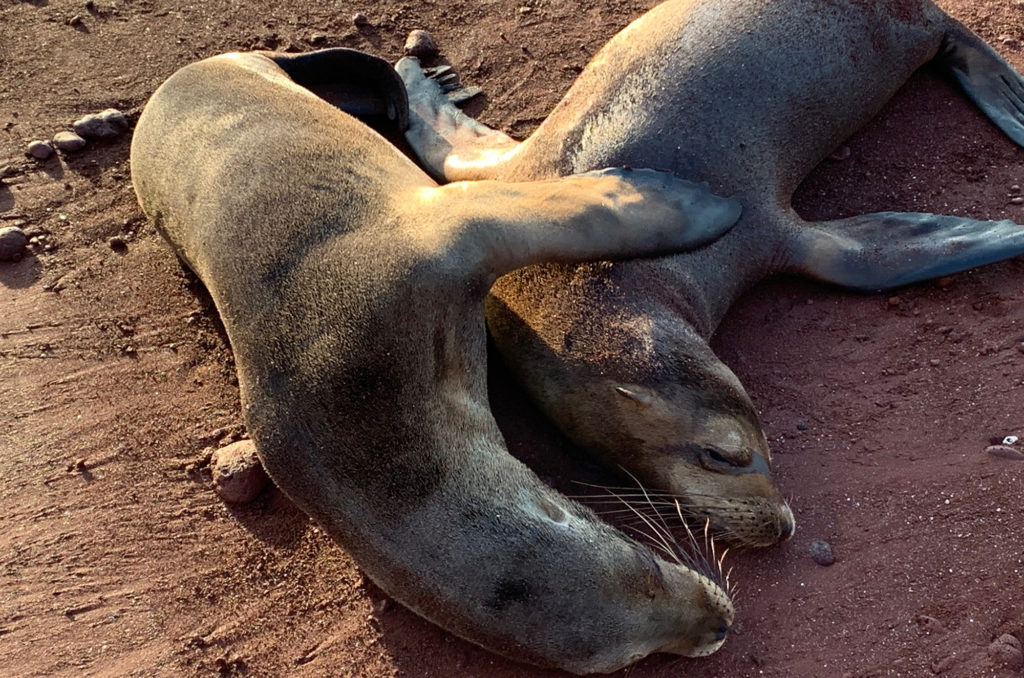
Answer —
749 522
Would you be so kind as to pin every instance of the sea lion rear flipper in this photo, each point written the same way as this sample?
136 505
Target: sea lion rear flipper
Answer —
449 143
883 250
362 85
988 80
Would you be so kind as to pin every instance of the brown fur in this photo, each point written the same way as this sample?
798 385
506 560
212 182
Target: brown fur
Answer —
351 289
748 95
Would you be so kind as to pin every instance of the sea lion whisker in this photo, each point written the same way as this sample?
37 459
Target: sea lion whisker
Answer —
662 537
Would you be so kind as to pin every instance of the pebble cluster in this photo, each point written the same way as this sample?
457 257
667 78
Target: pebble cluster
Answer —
106 124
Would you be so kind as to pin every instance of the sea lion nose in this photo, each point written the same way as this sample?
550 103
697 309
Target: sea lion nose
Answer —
786 530
722 632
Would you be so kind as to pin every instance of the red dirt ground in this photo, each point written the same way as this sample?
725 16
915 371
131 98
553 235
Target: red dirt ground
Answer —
879 409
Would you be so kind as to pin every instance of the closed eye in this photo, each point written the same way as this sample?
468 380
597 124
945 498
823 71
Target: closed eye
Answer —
716 456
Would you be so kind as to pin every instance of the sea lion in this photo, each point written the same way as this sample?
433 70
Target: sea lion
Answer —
749 96
351 288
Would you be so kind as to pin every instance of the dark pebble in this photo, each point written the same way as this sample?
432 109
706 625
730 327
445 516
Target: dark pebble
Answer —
103 125
821 552
360 19
13 242
1005 452
1005 651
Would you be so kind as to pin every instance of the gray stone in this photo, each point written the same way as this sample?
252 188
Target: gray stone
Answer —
1005 452
360 20
13 242
1005 651
40 150
421 45
821 552
68 142
238 476
103 125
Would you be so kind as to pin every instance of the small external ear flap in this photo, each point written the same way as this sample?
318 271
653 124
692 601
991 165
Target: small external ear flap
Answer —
637 394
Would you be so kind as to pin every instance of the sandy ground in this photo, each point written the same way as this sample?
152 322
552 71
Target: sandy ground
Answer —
116 558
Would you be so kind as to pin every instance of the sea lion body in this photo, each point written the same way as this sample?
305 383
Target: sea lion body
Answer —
350 286
748 96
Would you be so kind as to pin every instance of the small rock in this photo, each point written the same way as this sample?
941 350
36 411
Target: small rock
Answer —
68 142
317 39
238 476
934 362
75 20
1005 651
13 242
930 625
801 426
1015 189
103 125
945 281
360 19
421 45
1010 41
118 244
821 552
1005 452
895 301
1017 200
40 150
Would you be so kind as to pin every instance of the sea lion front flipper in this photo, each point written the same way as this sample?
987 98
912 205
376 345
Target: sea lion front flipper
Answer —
362 85
450 144
883 250
993 84
607 214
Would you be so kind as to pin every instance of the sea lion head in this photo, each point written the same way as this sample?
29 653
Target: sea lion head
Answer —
673 415
691 431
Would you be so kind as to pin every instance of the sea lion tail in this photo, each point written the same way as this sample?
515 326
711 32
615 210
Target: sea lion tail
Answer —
880 251
988 80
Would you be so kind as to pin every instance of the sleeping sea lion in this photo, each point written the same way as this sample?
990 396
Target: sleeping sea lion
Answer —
351 287
749 96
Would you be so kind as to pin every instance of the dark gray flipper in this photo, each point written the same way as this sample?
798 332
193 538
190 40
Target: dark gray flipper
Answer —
880 251
988 80
362 85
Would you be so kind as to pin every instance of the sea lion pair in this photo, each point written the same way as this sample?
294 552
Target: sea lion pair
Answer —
315 246
351 287
748 96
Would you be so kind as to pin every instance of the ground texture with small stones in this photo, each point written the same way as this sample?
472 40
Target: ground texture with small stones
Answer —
116 383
